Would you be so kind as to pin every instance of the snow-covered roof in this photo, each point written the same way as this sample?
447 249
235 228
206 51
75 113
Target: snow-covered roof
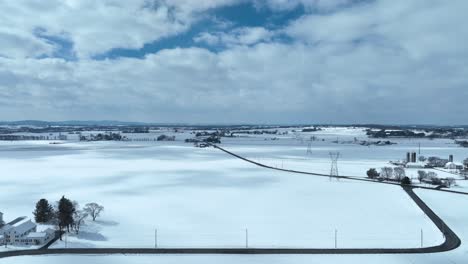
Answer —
49 231
19 225
415 164
18 221
5 228
37 235
453 164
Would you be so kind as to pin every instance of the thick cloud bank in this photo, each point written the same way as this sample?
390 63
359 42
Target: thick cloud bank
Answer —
392 61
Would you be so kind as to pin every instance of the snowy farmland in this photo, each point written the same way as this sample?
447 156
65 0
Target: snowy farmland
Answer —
205 198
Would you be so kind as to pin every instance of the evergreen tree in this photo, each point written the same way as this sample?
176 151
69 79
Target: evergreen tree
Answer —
43 212
372 173
406 181
66 209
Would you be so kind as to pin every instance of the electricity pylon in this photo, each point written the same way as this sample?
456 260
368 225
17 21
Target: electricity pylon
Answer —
334 164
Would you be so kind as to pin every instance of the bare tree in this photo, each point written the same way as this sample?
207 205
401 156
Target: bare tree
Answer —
431 175
450 181
78 218
421 175
386 172
399 173
94 210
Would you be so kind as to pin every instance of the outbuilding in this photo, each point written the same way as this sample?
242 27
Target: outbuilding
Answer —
38 238
453 166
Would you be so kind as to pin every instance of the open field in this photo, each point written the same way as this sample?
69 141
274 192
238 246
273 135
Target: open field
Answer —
198 197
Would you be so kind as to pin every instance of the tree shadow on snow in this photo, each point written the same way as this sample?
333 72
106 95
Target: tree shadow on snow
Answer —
91 236
106 222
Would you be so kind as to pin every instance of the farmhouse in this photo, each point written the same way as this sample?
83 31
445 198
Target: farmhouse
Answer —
22 232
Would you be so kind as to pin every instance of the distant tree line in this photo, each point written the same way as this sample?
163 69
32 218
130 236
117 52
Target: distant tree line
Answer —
102 137
165 138
394 133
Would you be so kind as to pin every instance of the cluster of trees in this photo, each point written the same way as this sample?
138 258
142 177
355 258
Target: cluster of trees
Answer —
314 129
431 178
436 162
165 138
462 143
102 137
220 133
136 130
394 133
389 174
257 132
377 143
210 139
66 214
428 177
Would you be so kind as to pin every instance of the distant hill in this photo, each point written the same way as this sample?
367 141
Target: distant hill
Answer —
41 123
71 123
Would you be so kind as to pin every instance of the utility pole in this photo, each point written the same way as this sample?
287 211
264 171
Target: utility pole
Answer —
422 237
156 238
334 164
246 238
336 238
419 149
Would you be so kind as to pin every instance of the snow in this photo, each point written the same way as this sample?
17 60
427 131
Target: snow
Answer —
448 206
202 197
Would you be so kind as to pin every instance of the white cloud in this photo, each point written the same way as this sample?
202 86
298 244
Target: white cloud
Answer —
237 36
384 61
421 28
208 38
20 44
309 5
95 27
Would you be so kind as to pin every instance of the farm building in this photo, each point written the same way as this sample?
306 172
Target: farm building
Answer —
22 232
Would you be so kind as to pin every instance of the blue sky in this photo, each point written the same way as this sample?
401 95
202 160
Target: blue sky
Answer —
243 14
235 61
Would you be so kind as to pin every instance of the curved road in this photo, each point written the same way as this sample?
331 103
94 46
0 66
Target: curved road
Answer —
451 242
354 178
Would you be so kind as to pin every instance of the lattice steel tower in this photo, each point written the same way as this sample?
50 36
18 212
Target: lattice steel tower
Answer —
334 164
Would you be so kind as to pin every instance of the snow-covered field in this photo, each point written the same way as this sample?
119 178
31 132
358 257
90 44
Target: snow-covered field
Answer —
205 198
448 206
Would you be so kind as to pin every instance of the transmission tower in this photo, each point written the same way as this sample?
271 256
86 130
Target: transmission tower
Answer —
309 148
334 164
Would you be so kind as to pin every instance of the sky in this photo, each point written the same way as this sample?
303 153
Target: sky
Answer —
235 61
